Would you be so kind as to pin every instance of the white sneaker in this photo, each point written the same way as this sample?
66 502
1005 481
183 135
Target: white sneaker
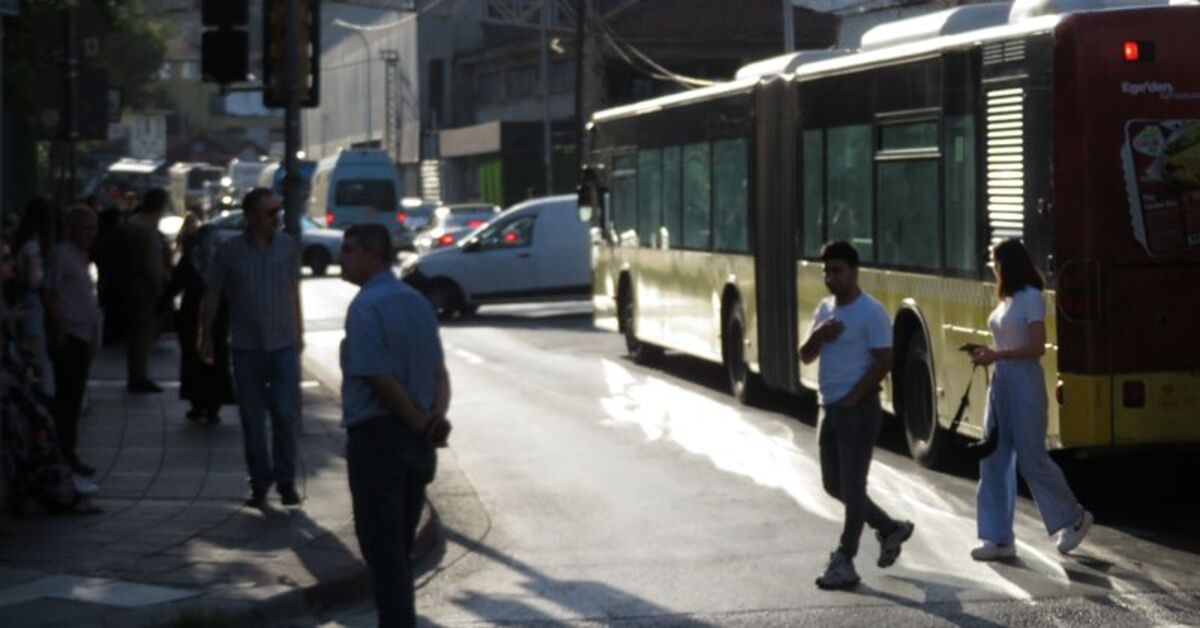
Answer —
84 486
1071 536
990 551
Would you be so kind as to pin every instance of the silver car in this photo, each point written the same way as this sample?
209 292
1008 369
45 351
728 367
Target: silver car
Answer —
321 246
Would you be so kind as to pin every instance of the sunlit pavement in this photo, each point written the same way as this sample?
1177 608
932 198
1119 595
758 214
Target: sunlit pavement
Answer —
581 488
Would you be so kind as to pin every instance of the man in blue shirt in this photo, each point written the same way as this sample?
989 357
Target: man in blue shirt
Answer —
395 393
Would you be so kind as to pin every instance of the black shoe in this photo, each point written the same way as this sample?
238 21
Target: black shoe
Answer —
79 468
288 496
143 387
257 498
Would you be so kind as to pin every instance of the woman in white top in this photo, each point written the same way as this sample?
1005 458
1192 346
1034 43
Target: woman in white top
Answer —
1017 406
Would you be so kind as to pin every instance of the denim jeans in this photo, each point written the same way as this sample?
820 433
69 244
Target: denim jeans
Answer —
269 381
846 436
389 466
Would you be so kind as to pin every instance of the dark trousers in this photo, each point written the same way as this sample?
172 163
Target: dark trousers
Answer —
141 330
389 466
846 436
72 361
269 382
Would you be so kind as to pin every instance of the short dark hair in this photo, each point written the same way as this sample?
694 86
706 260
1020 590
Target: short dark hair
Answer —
373 238
1016 268
155 200
840 250
254 198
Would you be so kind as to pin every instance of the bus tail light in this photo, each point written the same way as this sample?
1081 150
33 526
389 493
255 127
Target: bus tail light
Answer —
1133 394
1079 291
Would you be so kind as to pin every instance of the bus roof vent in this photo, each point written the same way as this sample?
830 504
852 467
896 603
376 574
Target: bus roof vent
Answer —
787 63
1025 9
949 22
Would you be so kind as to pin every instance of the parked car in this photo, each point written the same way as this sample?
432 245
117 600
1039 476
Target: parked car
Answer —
321 246
452 223
359 186
537 250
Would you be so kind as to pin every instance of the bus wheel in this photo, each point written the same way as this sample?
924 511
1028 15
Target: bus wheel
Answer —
641 352
444 296
742 382
918 407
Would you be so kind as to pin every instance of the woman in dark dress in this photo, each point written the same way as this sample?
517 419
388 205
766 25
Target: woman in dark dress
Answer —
206 386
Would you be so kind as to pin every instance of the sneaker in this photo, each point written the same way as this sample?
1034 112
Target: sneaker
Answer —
890 544
1071 536
289 496
839 574
143 387
257 498
990 551
84 486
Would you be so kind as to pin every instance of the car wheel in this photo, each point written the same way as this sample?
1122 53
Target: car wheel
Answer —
469 310
742 383
318 260
918 407
445 297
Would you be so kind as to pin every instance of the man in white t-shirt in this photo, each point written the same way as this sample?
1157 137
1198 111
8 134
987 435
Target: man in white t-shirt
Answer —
852 335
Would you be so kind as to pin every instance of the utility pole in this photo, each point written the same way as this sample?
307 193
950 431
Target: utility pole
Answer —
547 146
291 138
789 26
391 83
581 18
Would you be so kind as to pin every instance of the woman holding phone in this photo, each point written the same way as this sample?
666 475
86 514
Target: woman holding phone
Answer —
1017 404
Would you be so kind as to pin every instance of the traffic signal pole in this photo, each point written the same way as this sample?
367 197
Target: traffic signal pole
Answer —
291 139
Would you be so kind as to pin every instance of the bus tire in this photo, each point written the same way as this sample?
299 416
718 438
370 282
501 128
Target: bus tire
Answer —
743 384
640 352
445 297
918 404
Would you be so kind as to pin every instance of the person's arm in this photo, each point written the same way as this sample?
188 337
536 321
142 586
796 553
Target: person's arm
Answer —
51 301
393 397
825 328
209 306
441 394
869 382
299 307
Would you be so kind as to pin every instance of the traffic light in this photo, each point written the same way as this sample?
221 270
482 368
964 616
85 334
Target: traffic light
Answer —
309 44
225 51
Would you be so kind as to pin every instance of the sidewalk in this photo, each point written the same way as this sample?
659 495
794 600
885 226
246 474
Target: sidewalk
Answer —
175 543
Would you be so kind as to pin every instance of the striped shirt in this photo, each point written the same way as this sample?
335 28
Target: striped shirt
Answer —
262 285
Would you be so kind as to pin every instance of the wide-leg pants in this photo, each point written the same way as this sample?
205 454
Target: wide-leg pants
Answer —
1017 405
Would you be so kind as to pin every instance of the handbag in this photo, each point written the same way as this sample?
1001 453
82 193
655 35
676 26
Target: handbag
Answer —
991 439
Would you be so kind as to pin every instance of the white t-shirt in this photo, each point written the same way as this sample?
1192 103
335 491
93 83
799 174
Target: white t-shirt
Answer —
1010 321
846 359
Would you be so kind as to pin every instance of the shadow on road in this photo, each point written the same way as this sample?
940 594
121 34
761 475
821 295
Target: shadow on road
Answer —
551 318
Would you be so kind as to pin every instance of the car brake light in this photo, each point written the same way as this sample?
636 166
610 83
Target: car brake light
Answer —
1138 51
328 220
1134 394
472 224
445 240
510 237
401 217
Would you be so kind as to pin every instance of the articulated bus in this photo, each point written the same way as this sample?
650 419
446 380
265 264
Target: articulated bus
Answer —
941 135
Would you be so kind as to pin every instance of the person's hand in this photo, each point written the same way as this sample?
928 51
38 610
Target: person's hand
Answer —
206 351
437 430
828 330
984 356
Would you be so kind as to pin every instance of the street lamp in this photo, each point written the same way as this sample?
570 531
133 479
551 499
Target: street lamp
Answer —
361 32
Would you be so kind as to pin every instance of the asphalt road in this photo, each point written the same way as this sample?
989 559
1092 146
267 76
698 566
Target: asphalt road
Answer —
583 489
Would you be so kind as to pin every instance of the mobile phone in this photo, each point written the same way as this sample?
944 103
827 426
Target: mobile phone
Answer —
970 347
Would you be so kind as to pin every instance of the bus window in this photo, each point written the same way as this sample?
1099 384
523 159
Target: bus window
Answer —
697 196
731 201
959 162
848 180
624 196
814 192
908 213
671 199
649 178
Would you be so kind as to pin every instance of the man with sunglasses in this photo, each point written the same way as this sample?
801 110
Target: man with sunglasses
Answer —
259 273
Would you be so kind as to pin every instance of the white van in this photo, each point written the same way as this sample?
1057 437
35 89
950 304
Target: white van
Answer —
356 186
538 250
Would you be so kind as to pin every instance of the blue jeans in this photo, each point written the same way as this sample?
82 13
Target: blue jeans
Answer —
269 380
1017 405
